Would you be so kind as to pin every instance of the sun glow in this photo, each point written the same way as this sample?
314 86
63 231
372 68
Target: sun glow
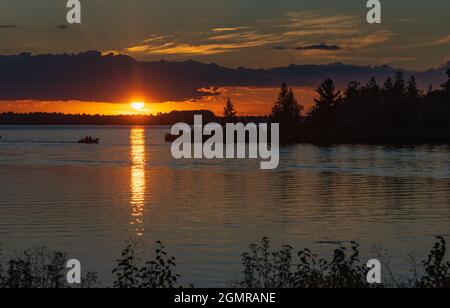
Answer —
137 105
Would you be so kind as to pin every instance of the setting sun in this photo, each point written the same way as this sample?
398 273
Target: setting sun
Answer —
137 105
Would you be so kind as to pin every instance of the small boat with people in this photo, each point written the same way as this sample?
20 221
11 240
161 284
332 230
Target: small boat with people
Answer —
89 140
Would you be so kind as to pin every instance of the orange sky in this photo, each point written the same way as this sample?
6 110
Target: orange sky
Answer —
248 101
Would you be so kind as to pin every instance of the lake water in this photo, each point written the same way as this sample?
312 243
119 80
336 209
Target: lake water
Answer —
88 200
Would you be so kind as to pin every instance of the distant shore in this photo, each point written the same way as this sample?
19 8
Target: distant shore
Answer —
38 118
297 133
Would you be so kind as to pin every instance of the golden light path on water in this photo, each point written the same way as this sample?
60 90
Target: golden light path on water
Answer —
137 181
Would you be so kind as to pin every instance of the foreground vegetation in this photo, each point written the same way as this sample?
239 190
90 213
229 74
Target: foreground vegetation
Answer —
262 268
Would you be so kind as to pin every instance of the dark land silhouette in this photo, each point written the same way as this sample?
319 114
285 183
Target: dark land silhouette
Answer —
395 112
171 118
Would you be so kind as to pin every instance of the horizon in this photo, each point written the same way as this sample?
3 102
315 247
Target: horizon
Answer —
252 90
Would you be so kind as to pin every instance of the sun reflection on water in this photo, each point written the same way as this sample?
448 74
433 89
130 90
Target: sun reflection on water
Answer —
137 181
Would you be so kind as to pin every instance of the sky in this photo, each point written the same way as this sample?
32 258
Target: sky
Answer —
413 34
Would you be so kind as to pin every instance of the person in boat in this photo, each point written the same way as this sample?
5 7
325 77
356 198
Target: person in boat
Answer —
89 139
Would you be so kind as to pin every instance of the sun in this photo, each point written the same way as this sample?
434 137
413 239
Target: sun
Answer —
137 105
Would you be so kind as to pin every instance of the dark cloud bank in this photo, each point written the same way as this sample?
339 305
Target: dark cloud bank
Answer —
115 78
9 27
320 47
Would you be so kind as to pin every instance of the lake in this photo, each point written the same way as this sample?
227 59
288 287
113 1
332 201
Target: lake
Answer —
88 200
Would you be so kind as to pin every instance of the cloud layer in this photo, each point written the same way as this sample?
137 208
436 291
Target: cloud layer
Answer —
118 78
298 32
9 27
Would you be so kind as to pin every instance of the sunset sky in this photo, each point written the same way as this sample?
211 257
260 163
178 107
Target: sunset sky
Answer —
252 33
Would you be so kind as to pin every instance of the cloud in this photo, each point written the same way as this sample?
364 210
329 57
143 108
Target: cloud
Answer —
9 27
139 48
210 43
92 76
442 40
311 20
310 24
230 29
346 32
320 47
188 49
310 49
343 32
367 40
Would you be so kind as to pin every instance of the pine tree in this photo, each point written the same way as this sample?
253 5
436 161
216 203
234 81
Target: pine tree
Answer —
286 109
324 111
373 89
399 88
446 85
412 91
388 85
352 92
229 113
388 91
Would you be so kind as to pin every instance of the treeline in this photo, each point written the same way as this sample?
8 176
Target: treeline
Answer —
86 119
261 268
396 111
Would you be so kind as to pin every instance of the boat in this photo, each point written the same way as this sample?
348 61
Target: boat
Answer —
89 140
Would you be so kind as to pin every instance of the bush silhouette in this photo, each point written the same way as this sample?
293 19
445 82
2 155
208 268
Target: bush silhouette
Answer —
39 268
156 273
266 269
437 270
262 268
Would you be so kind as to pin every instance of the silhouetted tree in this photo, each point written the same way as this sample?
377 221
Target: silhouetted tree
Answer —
352 92
388 85
393 99
446 85
350 109
412 91
372 88
287 109
229 113
323 112
399 86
